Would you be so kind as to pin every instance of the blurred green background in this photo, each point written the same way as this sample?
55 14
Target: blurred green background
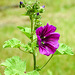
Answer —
60 13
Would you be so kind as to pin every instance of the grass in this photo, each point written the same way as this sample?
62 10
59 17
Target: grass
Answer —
59 13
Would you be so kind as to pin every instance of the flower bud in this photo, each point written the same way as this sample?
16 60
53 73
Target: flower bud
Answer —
21 3
43 6
38 13
41 10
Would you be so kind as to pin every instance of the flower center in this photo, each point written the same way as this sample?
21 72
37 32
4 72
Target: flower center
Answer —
42 42
43 37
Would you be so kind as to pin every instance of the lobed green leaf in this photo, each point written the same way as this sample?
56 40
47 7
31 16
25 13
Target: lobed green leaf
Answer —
14 66
13 43
33 73
27 48
64 49
26 31
34 44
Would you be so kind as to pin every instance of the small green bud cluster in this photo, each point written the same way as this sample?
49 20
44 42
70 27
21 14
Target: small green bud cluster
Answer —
21 4
34 10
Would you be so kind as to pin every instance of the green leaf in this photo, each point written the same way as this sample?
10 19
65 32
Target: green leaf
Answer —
33 73
13 43
27 48
64 49
34 44
34 36
15 66
26 31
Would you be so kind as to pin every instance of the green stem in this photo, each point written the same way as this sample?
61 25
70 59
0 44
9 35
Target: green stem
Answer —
34 56
46 62
25 51
31 29
21 49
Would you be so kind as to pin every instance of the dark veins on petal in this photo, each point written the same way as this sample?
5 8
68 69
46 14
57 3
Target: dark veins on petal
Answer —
47 39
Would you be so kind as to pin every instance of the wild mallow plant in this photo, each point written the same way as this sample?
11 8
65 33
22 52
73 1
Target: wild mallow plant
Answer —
44 39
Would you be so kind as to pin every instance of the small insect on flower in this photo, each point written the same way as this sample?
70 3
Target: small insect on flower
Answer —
47 39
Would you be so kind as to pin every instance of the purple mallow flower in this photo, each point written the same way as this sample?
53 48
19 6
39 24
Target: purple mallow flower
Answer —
21 3
38 13
47 39
43 6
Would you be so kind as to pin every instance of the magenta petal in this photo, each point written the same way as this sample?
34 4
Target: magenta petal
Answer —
50 48
38 40
47 49
39 31
47 39
52 37
48 29
43 51
54 44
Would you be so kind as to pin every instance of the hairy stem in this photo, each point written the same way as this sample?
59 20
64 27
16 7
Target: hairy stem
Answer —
31 29
25 51
46 62
34 56
21 49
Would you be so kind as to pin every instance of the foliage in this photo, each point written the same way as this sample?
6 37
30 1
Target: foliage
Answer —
27 48
26 31
64 49
13 43
33 73
14 66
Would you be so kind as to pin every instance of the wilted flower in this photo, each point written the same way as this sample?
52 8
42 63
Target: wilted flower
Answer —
43 6
47 39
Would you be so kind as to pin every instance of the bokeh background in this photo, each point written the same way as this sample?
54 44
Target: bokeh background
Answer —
60 13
